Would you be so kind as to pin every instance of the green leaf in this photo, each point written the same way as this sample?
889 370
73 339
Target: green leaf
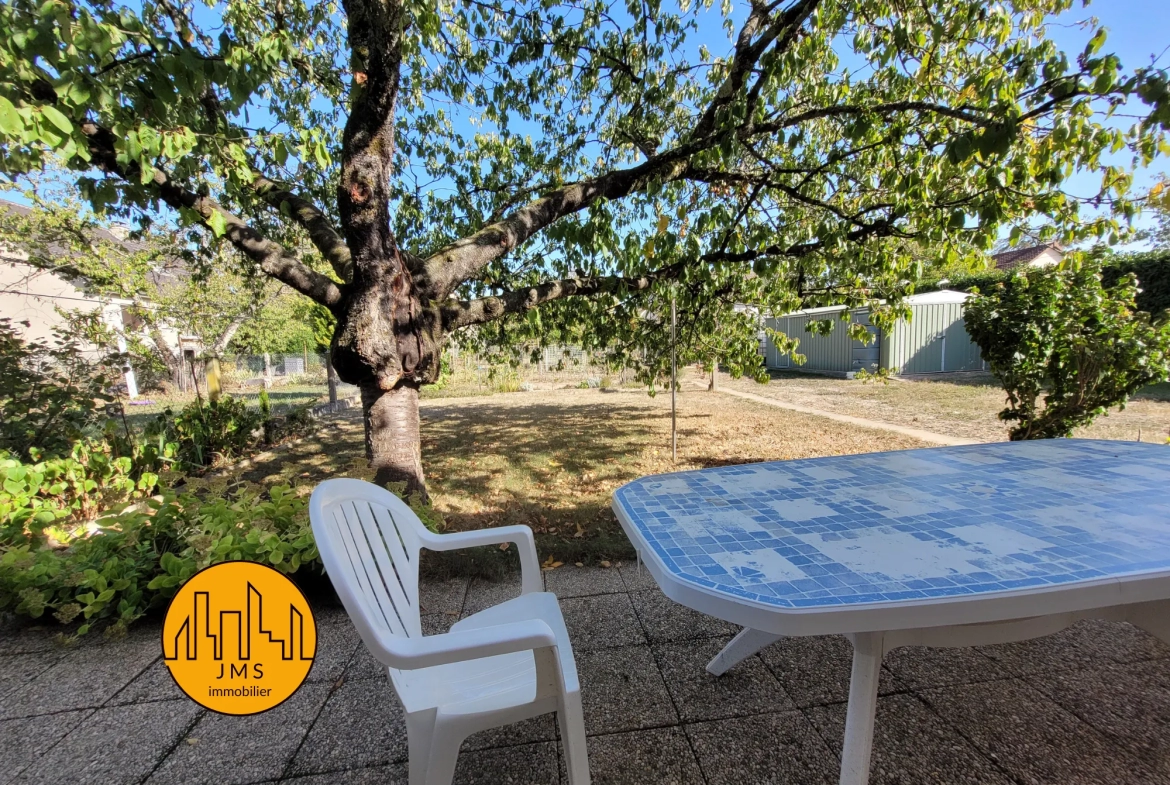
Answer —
217 224
54 116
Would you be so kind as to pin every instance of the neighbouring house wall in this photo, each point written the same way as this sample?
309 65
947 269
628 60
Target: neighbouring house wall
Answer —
1049 257
31 295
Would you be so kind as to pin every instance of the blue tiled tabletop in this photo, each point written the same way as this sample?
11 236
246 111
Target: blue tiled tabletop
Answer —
911 525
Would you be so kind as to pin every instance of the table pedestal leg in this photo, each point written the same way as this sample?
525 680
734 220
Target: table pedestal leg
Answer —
863 690
742 646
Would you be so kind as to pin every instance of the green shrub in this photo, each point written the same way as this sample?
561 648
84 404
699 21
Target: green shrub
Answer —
51 395
209 432
1060 332
138 558
71 490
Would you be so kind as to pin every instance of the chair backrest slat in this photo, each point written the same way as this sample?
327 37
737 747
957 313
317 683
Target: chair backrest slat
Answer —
389 563
369 542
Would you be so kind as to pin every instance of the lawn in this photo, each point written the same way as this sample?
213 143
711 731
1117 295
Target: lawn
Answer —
962 405
550 459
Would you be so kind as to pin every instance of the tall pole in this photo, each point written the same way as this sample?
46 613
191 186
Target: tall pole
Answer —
673 378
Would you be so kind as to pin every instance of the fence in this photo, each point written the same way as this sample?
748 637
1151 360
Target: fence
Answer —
301 379
291 380
553 366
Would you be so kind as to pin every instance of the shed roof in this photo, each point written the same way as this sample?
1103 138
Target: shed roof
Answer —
942 296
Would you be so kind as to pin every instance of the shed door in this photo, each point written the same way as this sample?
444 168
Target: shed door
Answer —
867 355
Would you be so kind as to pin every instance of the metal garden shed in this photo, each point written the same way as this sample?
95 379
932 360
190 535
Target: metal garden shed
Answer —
933 340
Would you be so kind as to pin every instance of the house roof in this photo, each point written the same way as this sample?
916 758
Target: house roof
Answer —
161 276
1017 257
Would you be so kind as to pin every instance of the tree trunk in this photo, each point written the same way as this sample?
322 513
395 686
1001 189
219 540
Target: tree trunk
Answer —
392 435
713 385
331 377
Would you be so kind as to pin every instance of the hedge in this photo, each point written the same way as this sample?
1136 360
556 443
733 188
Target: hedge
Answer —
1152 269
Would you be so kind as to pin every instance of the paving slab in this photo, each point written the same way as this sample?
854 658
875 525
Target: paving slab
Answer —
665 620
225 750
361 725
483 594
1085 645
22 638
918 667
17 670
392 774
749 688
622 689
602 621
529 764
1127 704
336 646
529 731
661 756
570 581
23 741
636 577
86 677
815 670
912 745
116 745
153 684
442 596
1032 738
768 749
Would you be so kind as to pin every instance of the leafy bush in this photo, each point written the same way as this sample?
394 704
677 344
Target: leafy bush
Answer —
51 395
209 432
140 557
1060 327
76 489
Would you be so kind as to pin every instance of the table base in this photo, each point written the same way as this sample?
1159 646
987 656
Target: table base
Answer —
869 648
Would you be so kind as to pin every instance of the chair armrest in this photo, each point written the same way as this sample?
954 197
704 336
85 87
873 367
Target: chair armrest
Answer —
520 535
462 645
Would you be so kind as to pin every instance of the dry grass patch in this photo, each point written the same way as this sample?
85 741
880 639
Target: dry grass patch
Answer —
551 459
962 405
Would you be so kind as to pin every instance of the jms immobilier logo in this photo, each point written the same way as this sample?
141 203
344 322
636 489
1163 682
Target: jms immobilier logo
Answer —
239 638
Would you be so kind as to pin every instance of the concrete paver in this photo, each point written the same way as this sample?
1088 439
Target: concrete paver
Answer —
1088 705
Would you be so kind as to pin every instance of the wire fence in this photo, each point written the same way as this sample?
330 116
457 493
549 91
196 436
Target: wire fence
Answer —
301 379
291 380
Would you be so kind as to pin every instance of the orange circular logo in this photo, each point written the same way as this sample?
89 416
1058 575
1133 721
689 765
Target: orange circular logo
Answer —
239 638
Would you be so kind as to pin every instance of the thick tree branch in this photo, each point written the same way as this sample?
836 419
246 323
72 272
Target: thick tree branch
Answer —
452 265
466 312
327 239
274 260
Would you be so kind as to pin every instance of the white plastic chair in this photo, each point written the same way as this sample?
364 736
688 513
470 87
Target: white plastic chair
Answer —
499 666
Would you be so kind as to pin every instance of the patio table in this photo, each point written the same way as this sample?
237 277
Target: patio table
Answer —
946 546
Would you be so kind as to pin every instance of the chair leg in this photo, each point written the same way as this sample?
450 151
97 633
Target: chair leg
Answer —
420 737
444 757
572 721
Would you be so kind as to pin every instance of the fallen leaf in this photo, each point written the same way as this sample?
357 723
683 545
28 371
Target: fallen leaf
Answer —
578 564
605 564
192 742
549 561
580 531
505 545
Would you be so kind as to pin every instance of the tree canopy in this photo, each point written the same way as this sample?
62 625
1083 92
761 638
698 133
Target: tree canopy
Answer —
533 169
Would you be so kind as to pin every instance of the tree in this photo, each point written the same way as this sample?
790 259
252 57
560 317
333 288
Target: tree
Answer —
1058 332
509 170
1158 201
